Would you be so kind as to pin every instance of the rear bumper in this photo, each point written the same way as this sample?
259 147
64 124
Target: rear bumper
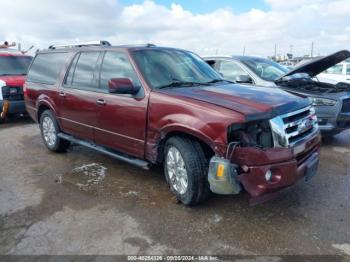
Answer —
15 107
286 168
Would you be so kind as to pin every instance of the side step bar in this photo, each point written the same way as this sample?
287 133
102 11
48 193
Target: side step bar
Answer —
134 161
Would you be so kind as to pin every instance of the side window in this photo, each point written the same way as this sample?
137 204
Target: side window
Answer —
117 65
348 69
336 69
46 67
230 70
82 72
212 63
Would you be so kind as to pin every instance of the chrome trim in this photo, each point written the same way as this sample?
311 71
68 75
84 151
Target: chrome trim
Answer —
281 137
104 130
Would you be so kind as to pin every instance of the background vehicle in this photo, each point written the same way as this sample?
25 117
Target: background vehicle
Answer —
331 101
13 69
149 105
337 73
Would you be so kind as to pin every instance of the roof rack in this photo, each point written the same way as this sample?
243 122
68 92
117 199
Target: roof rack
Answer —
139 45
92 43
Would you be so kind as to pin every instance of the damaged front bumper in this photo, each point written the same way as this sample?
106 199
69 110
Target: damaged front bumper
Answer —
265 171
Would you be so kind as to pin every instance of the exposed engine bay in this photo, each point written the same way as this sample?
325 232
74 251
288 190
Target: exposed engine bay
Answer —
311 86
253 134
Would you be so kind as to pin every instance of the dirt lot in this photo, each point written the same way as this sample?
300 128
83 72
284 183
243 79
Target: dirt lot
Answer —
82 202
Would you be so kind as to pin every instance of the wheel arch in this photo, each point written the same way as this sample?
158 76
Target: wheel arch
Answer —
207 146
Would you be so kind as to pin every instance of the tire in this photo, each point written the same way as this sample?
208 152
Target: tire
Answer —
49 129
193 162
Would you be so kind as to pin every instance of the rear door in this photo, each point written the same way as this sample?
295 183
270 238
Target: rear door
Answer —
121 119
78 95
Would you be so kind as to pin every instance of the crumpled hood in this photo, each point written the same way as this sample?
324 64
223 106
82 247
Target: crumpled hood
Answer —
14 80
316 66
254 102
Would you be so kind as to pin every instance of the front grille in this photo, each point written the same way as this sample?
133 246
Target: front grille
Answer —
12 93
292 128
346 106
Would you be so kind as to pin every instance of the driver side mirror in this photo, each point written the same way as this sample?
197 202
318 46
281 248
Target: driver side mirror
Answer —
122 86
244 79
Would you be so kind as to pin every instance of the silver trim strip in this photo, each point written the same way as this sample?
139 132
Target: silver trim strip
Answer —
103 130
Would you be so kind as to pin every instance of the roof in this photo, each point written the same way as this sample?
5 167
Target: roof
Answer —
104 48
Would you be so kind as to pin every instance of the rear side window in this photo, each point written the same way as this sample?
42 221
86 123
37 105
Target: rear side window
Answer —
82 72
46 68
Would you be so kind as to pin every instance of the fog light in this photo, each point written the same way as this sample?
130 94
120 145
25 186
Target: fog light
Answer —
268 175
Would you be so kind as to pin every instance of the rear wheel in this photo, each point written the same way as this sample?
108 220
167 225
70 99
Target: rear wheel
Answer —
186 168
49 130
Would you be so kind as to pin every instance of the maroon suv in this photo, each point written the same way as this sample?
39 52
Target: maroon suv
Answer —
149 105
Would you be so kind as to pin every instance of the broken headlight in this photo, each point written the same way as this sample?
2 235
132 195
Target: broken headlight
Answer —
253 134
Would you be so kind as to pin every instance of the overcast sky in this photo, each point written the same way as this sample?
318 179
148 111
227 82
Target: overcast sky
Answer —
204 26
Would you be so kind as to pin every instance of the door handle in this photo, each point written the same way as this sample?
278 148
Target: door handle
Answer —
101 102
63 94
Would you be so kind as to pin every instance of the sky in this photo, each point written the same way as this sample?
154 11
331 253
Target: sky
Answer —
207 27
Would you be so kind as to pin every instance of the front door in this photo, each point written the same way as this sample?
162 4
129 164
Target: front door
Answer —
121 119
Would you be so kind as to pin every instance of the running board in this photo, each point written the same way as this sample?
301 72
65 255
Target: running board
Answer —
134 161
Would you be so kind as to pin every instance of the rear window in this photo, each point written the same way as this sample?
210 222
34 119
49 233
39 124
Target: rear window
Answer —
14 65
46 67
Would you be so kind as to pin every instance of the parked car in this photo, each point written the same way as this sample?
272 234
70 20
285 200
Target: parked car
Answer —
337 73
13 69
148 105
331 101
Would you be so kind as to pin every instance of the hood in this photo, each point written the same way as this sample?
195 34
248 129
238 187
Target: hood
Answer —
318 65
13 80
254 102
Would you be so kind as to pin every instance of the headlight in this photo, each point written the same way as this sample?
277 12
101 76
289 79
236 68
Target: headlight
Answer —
323 102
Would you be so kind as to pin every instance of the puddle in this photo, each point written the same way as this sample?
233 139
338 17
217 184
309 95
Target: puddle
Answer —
345 248
341 150
87 177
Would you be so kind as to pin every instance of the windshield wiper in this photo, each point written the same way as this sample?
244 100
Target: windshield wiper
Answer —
180 84
219 80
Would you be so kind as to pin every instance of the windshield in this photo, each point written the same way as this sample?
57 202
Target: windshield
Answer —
166 67
14 65
265 69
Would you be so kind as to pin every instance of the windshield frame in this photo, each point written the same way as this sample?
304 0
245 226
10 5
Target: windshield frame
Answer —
247 62
19 65
215 76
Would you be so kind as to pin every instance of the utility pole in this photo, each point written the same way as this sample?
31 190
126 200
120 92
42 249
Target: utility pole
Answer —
244 50
291 49
312 49
275 51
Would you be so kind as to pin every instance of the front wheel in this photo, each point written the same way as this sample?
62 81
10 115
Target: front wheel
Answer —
186 168
49 130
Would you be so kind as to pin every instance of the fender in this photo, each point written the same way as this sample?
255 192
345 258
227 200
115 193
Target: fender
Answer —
47 101
155 136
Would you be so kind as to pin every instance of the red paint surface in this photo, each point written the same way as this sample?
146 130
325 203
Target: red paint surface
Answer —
136 126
